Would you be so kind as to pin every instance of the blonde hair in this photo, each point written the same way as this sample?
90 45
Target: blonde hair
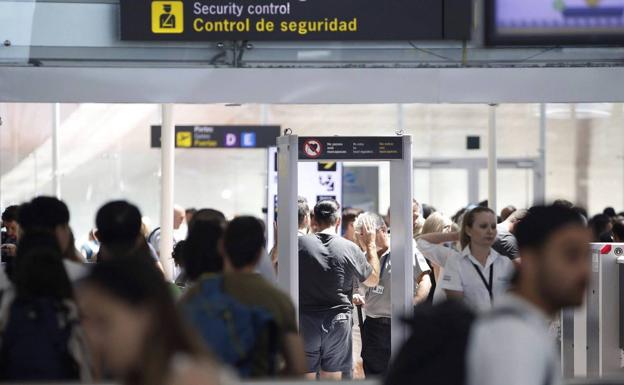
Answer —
435 223
468 221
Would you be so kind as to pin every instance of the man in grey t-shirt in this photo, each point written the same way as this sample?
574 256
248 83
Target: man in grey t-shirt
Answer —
328 264
378 304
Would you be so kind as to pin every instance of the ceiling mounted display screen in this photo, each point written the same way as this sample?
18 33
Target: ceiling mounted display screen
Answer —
554 22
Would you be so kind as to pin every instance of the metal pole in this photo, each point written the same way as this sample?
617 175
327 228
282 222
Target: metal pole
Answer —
1 205
287 219
401 243
167 189
400 120
56 184
492 158
539 192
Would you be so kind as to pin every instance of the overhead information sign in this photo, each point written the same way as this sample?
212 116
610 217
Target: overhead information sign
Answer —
220 136
317 181
351 147
216 20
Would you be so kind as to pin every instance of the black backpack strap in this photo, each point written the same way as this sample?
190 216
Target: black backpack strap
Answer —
149 237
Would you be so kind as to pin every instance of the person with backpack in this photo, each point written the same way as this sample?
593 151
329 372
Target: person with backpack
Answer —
134 326
245 320
41 338
512 344
328 265
477 274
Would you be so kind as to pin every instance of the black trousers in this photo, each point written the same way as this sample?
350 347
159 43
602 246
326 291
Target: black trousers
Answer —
376 346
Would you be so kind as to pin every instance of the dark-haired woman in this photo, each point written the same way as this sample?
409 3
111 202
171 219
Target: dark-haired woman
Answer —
478 274
201 254
134 326
41 336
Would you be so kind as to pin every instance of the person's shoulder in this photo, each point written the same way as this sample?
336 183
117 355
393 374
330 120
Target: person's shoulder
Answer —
503 261
308 240
490 329
506 322
347 244
75 270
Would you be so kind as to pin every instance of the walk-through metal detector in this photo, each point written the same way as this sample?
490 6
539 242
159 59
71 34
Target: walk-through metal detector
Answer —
395 149
592 336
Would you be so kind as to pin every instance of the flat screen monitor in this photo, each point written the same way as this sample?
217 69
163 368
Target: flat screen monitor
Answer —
554 22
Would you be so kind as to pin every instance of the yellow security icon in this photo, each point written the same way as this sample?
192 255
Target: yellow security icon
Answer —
184 139
167 16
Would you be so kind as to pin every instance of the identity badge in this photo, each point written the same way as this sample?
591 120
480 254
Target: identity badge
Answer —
378 290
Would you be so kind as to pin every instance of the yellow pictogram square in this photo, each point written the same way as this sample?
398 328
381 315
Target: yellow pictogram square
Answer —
167 16
184 139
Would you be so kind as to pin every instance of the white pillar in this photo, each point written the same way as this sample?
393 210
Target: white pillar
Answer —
56 125
287 218
167 189
1 205
539 192
400 119
492 158
402 256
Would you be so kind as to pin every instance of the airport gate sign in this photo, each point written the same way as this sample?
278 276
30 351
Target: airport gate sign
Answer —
206 136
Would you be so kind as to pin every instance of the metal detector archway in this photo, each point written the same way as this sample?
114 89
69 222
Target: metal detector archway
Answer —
395 149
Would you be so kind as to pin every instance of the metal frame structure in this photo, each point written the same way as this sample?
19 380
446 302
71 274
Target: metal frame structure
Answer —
474 165
311 86
591 336
401 242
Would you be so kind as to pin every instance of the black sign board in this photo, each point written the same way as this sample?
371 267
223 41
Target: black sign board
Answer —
220 136
351 147
294 20
473 142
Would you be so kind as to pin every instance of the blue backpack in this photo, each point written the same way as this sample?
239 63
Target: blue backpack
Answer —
232 330
35 343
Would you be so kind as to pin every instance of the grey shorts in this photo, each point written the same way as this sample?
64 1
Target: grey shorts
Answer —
327 340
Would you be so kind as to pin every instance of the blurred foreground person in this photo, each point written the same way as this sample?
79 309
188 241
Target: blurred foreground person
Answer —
41 337
119 227
262 317
133 325
51 215
554 246
9 234
201 255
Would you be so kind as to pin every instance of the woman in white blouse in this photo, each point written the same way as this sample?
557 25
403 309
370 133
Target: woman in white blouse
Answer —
478 274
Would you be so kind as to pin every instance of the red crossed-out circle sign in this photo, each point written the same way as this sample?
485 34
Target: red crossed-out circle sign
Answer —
312 148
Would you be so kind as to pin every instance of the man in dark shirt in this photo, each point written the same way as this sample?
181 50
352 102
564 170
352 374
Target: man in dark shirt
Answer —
328 264
506 243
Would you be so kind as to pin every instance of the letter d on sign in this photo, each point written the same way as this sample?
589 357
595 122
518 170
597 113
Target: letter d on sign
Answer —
230 140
